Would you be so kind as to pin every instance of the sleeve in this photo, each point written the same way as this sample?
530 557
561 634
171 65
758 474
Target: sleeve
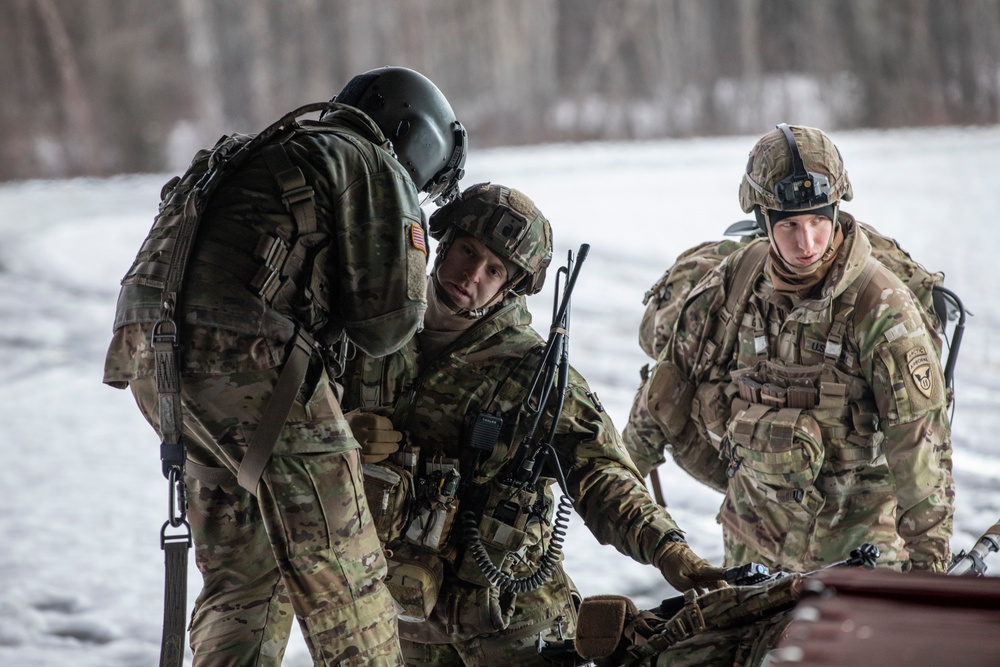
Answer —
607 490
379 259
908 383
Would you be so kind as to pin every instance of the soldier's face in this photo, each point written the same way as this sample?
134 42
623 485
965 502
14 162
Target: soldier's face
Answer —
802 239
471 273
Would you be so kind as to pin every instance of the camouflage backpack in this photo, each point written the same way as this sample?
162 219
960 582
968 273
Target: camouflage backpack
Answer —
665 300
731 626
666 297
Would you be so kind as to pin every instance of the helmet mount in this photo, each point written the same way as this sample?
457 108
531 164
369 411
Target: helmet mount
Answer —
801 189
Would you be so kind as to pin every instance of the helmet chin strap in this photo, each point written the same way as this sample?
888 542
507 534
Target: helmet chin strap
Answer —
455 309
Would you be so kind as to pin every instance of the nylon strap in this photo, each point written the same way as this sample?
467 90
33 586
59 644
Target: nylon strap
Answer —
275 413
751 263
175 557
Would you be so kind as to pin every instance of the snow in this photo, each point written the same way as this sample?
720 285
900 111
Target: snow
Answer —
82 499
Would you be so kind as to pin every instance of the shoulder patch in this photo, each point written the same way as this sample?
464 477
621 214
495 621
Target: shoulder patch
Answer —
417 238
918 365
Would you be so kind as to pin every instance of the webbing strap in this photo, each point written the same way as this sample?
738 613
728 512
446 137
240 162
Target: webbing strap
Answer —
296 193
165 342
175 557
738 291
275 413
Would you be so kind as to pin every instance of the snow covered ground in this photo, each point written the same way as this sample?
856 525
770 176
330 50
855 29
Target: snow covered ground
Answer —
81 495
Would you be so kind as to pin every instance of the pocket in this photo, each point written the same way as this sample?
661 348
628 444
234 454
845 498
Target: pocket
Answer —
779 448
435 506
414 581
510 523
387 489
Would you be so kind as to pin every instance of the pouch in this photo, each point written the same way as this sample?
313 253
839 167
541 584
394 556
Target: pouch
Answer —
779 448
414 581
387 489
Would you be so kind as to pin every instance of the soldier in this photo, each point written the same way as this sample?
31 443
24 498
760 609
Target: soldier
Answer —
813 372
454 396
315 238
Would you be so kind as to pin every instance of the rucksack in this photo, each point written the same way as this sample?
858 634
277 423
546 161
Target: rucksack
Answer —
665 300
666 297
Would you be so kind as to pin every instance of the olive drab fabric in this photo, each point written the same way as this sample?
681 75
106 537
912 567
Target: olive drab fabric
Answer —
319 234
437 395
861 360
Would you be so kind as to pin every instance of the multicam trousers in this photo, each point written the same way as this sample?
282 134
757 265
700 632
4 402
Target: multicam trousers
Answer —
304 546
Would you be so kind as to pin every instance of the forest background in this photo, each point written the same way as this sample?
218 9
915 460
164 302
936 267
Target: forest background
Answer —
101 87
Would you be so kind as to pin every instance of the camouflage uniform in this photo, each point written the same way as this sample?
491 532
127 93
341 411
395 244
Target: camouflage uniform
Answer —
819 384
488 369
874 448
305 541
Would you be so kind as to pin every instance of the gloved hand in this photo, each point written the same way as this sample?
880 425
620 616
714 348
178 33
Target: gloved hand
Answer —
375 434
685 570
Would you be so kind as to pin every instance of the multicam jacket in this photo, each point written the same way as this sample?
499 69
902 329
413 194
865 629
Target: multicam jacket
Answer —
256 275
488 370
834 434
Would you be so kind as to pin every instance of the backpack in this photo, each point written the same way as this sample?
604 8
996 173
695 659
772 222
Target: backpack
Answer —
665 301
733 625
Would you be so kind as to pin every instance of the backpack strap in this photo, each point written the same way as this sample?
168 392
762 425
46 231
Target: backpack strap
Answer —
738 290
849 300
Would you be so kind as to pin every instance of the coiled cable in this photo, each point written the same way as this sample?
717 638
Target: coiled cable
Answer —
547 564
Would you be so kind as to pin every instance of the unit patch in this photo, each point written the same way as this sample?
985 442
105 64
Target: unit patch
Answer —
918 365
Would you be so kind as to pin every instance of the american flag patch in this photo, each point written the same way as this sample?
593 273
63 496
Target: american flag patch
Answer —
417 238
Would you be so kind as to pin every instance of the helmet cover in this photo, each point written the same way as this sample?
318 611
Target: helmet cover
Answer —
794 168
507 222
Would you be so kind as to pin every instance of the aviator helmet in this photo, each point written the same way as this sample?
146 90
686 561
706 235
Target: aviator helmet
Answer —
416 117
507 222
792 170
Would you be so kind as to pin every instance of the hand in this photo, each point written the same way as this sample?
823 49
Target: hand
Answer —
685 570
375 434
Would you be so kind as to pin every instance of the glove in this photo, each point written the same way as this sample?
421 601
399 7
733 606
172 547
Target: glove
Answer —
685 570
375 434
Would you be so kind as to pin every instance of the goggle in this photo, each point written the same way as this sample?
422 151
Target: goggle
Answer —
801 189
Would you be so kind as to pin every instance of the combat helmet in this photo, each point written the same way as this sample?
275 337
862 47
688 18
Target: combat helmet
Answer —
791 170
508 223
415 116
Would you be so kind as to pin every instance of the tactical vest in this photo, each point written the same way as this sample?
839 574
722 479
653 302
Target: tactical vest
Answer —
733 626
417 494
708 405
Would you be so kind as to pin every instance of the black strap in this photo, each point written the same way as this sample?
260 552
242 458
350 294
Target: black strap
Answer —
175 557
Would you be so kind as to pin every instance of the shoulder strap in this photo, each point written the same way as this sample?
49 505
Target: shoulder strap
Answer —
850 300
739 287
